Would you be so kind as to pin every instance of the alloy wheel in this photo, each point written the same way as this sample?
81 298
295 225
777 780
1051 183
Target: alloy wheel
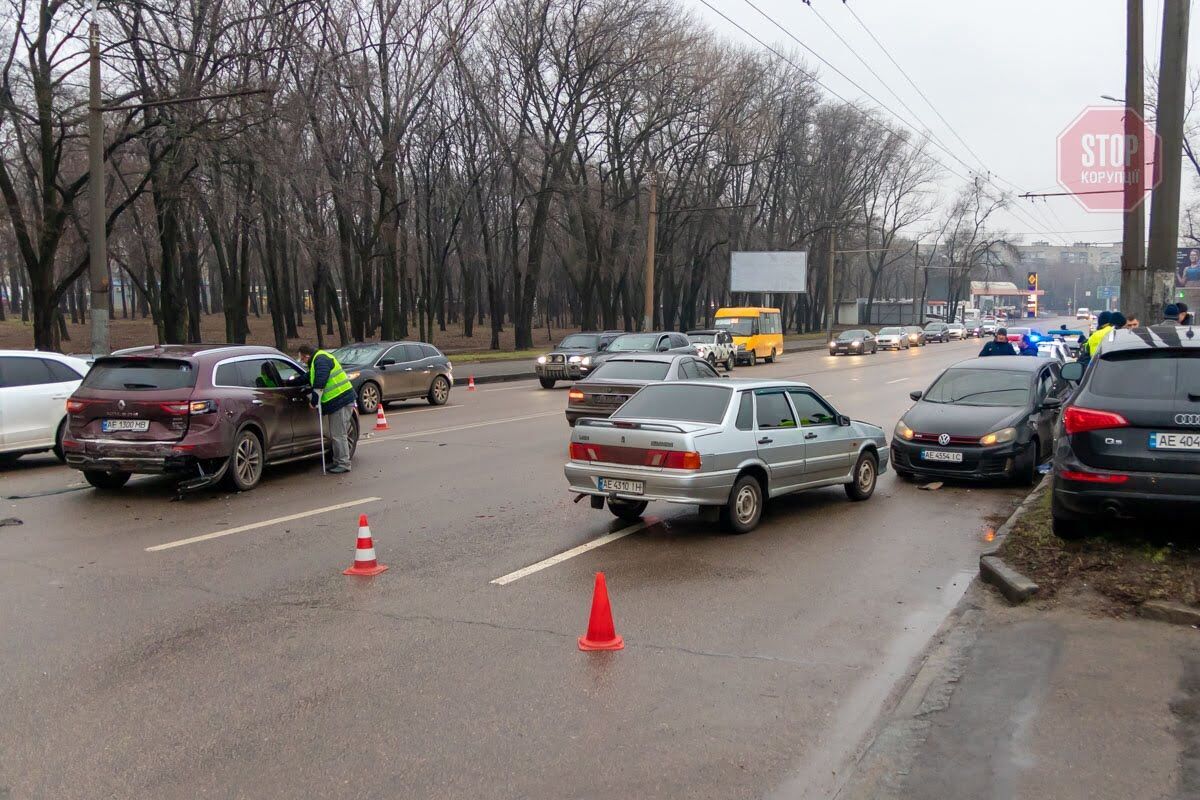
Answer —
368 398
247 459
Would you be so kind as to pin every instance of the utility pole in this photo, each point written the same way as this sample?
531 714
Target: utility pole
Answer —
1135 290
916 266
651 226
829 284
97 239
1164 204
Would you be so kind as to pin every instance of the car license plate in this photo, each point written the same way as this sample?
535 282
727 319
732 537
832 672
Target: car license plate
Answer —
1175 441
609 399
619 485
942 455
110 425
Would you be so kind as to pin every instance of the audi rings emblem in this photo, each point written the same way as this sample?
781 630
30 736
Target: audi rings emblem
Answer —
944 439
1187 419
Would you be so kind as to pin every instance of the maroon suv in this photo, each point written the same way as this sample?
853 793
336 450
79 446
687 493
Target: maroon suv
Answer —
201 413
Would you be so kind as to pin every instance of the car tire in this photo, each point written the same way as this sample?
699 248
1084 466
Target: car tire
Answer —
246 461
864 477
369 397
352 436
1025 466
741 514
1067 528
547 383
771 358
712 360
729 364
627 510
58 442
439 391
106 480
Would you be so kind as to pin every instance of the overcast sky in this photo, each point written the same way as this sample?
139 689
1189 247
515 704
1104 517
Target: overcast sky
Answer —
1008 76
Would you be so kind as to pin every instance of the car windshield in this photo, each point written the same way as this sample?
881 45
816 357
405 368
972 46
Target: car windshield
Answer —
677 402
140 374
580 341
634 343
737 326
980 387
890 332
631 371
359 353
701 338
849 336
935 326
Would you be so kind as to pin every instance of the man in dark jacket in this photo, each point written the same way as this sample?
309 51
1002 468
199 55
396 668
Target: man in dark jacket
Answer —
334 395
1000 346
1170 315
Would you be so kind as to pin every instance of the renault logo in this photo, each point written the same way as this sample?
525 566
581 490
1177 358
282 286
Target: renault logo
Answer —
944 439
1187 419
121 404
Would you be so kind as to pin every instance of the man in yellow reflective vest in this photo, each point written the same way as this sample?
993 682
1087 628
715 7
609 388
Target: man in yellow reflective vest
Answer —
331 384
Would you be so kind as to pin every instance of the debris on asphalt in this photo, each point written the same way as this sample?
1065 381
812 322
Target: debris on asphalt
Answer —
931 487
11 521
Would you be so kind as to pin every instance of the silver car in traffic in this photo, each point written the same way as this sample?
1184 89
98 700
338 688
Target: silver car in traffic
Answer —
724 446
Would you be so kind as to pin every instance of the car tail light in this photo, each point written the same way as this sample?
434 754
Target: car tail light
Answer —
1081 420
202 407
1094 477
575 396
76 406
636 456
175 409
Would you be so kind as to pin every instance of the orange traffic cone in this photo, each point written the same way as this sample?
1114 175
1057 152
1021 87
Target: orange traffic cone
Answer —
380 419
364 552
600 633
470 383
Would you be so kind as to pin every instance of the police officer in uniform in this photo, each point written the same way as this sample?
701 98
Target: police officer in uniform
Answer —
333 387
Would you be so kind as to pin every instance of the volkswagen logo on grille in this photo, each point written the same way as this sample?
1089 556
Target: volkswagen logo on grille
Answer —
944 439
1187 419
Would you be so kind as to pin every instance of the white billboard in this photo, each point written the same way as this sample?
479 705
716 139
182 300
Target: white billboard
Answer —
776 273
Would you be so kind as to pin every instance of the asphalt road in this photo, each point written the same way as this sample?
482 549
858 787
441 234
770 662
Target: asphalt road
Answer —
246 665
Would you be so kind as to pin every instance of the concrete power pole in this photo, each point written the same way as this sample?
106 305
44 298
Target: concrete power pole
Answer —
1164 204
651 226
1135 290
97 245
829 284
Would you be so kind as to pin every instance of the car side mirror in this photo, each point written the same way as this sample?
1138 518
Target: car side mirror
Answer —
1072 371
916 395
843 420
603 346
1052 402
386 362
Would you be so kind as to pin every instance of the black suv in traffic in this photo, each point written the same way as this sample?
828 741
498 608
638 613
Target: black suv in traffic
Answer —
1129 439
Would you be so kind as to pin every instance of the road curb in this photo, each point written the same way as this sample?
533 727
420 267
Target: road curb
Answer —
993 570
503 378
1172 613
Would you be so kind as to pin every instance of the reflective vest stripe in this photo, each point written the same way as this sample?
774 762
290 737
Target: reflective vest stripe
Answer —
338 383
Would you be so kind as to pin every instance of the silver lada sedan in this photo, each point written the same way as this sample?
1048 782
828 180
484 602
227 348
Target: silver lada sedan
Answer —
723 445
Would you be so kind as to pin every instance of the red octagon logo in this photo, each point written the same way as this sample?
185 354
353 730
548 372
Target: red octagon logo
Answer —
1092 155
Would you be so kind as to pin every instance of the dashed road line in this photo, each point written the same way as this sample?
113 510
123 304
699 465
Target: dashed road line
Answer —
255 525
566 555
898 380
453 428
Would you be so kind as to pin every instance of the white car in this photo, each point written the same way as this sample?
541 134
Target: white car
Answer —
714 346
892 338
1054 350
1083 313
957 330
34 387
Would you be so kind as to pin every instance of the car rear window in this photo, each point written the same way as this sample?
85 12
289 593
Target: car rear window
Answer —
678 402
141 374
1139 373
632 371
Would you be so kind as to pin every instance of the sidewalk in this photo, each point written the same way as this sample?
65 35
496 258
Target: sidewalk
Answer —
499 371
1036 703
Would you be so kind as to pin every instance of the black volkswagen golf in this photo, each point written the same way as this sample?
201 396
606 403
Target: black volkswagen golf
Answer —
983 418
1129 441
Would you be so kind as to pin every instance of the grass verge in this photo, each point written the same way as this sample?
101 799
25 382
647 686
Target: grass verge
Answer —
1126 564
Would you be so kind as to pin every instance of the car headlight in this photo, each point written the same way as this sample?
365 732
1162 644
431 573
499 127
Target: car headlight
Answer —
998 437
353 375
586 361
541 359
856 344
575 359
741 348
904 432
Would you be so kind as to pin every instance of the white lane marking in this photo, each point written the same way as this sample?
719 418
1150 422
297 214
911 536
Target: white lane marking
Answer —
254 525
524 385
434 431
898 380
566 555
403 412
